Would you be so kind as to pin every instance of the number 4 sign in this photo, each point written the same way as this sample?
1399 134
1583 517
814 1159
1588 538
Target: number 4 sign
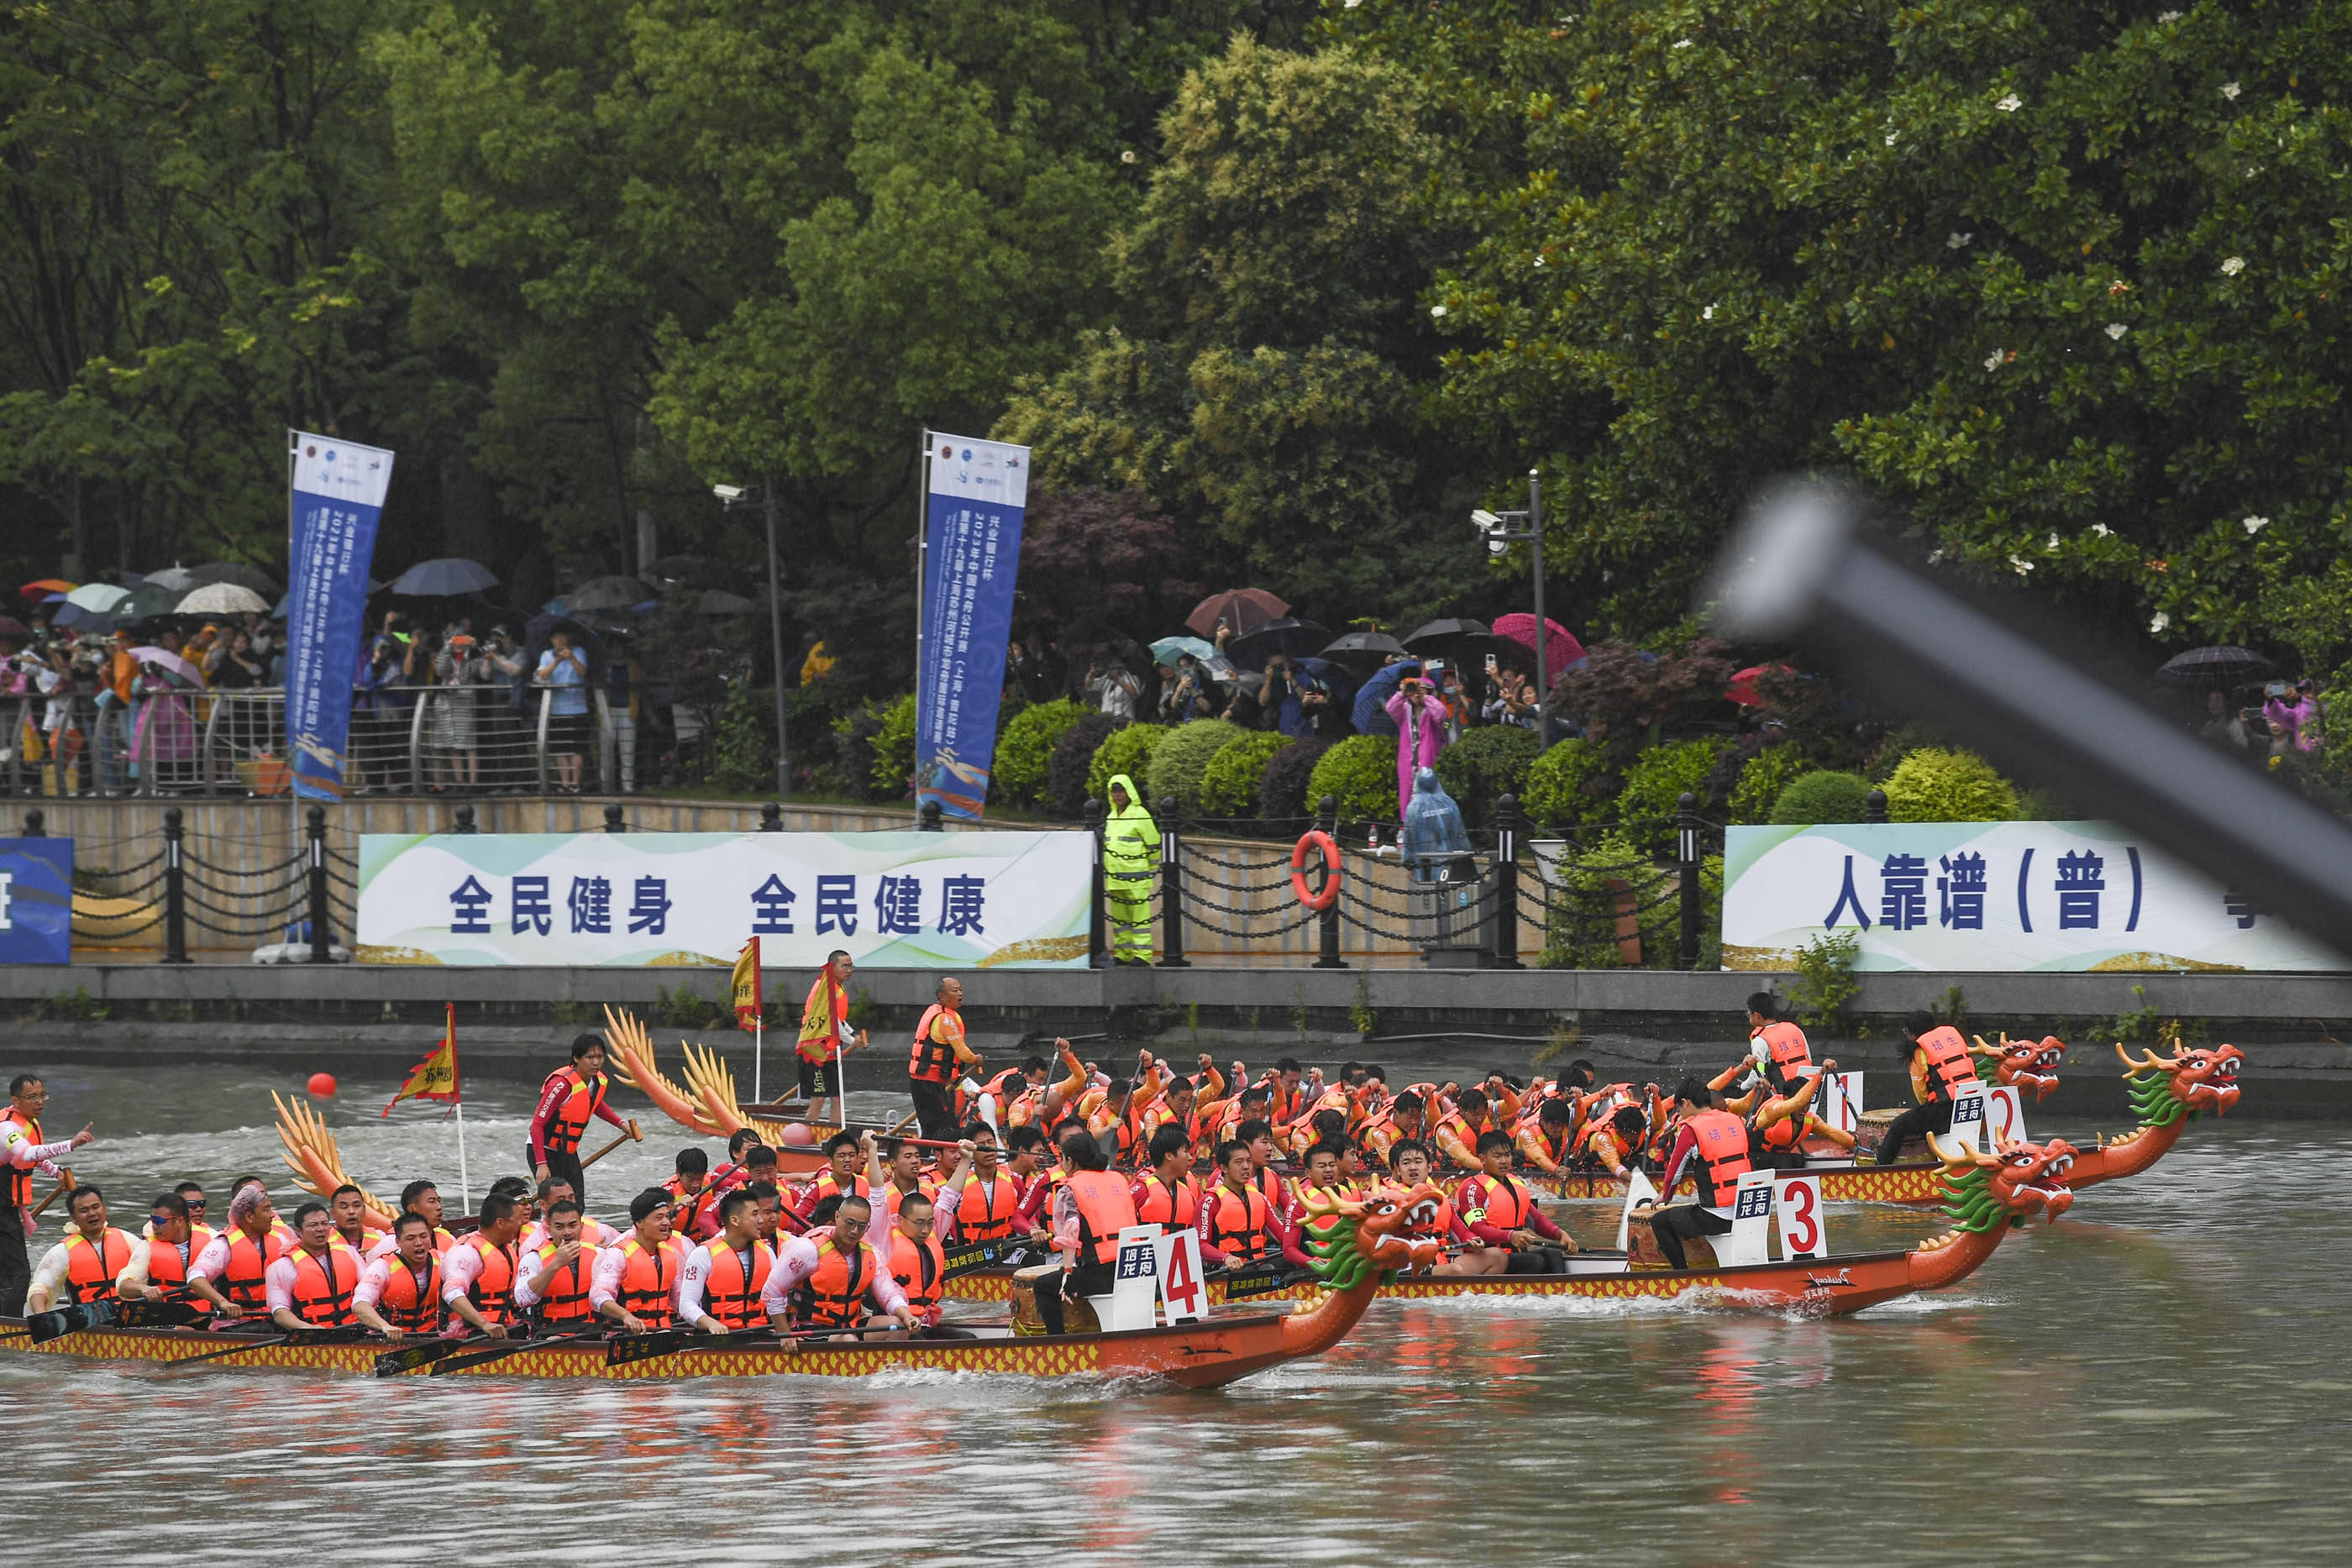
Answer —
1181 1293
1797 1205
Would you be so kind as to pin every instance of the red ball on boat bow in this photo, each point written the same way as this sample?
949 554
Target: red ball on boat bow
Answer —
322 1085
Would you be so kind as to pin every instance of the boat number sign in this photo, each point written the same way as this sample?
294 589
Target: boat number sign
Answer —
1797 1205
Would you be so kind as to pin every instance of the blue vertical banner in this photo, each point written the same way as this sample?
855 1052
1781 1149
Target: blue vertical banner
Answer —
972 549
339 490
36 901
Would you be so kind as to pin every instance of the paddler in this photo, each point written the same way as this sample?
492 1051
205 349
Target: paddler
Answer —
1455 1133
826 1036
1777 1044
699 1216
939 1056
1548 1143
573 1096
844 1152
232 1271
1779 1122
894 1173
822 1280
1320 1188
418 1197
554 1278
1395 1122
1089 1212
720 1290
1432 1219
911 1255
1166 1196
692 1173
85 1265
347 1209
1497 1209
400 1293
478 1275
313 1282
1032 1184
193 1195
981 1197
21 1145
158 1270
636 1283
1612 1143
1236 1220
1940 1068
554 1190
1717 1140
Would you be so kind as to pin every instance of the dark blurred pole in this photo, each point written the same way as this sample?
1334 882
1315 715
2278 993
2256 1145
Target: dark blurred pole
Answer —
1796 572
776 634
1172 886
1536 550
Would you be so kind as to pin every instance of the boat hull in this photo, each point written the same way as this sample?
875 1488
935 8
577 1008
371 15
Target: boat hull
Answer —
1913 1181
1827 1288
1202 1354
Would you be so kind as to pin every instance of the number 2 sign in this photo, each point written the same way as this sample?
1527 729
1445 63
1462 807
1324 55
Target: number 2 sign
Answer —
2005 1114
1797 1205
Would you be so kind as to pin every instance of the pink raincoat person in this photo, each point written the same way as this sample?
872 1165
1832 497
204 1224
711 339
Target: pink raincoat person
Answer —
1419 719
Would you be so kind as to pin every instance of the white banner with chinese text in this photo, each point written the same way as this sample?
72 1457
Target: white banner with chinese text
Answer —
895 900
1994 896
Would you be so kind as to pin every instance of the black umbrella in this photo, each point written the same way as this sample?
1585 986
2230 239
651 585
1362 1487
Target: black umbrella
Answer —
445 578
1443 634
1289 636
609 593
2213 669
1364 650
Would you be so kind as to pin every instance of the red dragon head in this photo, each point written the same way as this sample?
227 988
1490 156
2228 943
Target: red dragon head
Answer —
2199 1080
2012 1186
2025 1065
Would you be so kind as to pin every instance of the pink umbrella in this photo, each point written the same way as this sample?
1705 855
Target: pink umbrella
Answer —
1560 647
170 661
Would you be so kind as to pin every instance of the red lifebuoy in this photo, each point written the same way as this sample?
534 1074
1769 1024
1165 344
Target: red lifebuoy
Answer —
1321 841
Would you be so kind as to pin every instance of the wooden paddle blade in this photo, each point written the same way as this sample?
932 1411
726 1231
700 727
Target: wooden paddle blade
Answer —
43 1327
409 1357
499 1353
632 1348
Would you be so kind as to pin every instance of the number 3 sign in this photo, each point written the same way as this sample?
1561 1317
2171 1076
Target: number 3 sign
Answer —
1797 1205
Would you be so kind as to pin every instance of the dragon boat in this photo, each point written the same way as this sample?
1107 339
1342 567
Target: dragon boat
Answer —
1985 1195
1228 1343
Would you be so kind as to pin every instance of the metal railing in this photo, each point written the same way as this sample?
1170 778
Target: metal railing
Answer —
403 740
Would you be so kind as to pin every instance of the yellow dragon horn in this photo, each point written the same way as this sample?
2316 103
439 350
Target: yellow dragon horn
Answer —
2154 1063
1959 1157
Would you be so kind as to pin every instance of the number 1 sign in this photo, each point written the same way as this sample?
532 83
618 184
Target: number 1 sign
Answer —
1797 1205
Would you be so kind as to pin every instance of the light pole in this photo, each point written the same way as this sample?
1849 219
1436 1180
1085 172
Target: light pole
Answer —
732 496
1501 531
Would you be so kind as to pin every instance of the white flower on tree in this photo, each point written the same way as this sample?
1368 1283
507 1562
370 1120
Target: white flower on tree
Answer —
2116 329
2230 90
2011 104
2256 525
2159 621
2234 265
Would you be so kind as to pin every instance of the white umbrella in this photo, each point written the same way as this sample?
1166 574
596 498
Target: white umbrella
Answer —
175 576
170 661
101 597
223 599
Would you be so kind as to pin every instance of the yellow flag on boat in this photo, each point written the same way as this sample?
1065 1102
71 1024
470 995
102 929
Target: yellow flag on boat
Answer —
435 1077
746 988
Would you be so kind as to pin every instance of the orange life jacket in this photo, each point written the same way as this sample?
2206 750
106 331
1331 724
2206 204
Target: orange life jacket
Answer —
570 1120
493 1289
566 1298
1498 1201
1105 1208
649 1282
730 1294
1172 1209
1240 1225
411 1299
322 1287
93 1267
243 1281
919 1268
931 1062
1555 1148
1457 1125
1787 1043
984 1209
1949 1067
832 1297
168 1266
1723 1144
19 1193
1784 1133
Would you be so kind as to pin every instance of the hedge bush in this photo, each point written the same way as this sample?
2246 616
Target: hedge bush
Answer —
1931 785
1178 762
1821 796
1557 796
1654 787
1024 749
1768 773
1580 929
852 747
1229 785
1486 764
894 751
1282 788
1360 772
1073 761
1129 752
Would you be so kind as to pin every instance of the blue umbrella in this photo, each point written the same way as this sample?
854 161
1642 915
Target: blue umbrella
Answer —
1371 700
1167 649
79 619
445 578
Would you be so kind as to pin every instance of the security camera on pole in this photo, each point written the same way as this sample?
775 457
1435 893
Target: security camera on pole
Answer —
1501 530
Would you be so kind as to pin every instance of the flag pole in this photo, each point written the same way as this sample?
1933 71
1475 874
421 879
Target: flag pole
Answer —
759 1050
464 1184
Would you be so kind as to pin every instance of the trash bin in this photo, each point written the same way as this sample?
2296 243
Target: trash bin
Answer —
1451 908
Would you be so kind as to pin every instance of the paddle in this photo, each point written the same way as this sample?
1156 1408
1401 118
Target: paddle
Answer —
499 1353
629 1349
409 1357
967 1260
631 1135
65 1184
62 1321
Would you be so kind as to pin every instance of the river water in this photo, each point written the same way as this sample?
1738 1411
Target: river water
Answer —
2159 1378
